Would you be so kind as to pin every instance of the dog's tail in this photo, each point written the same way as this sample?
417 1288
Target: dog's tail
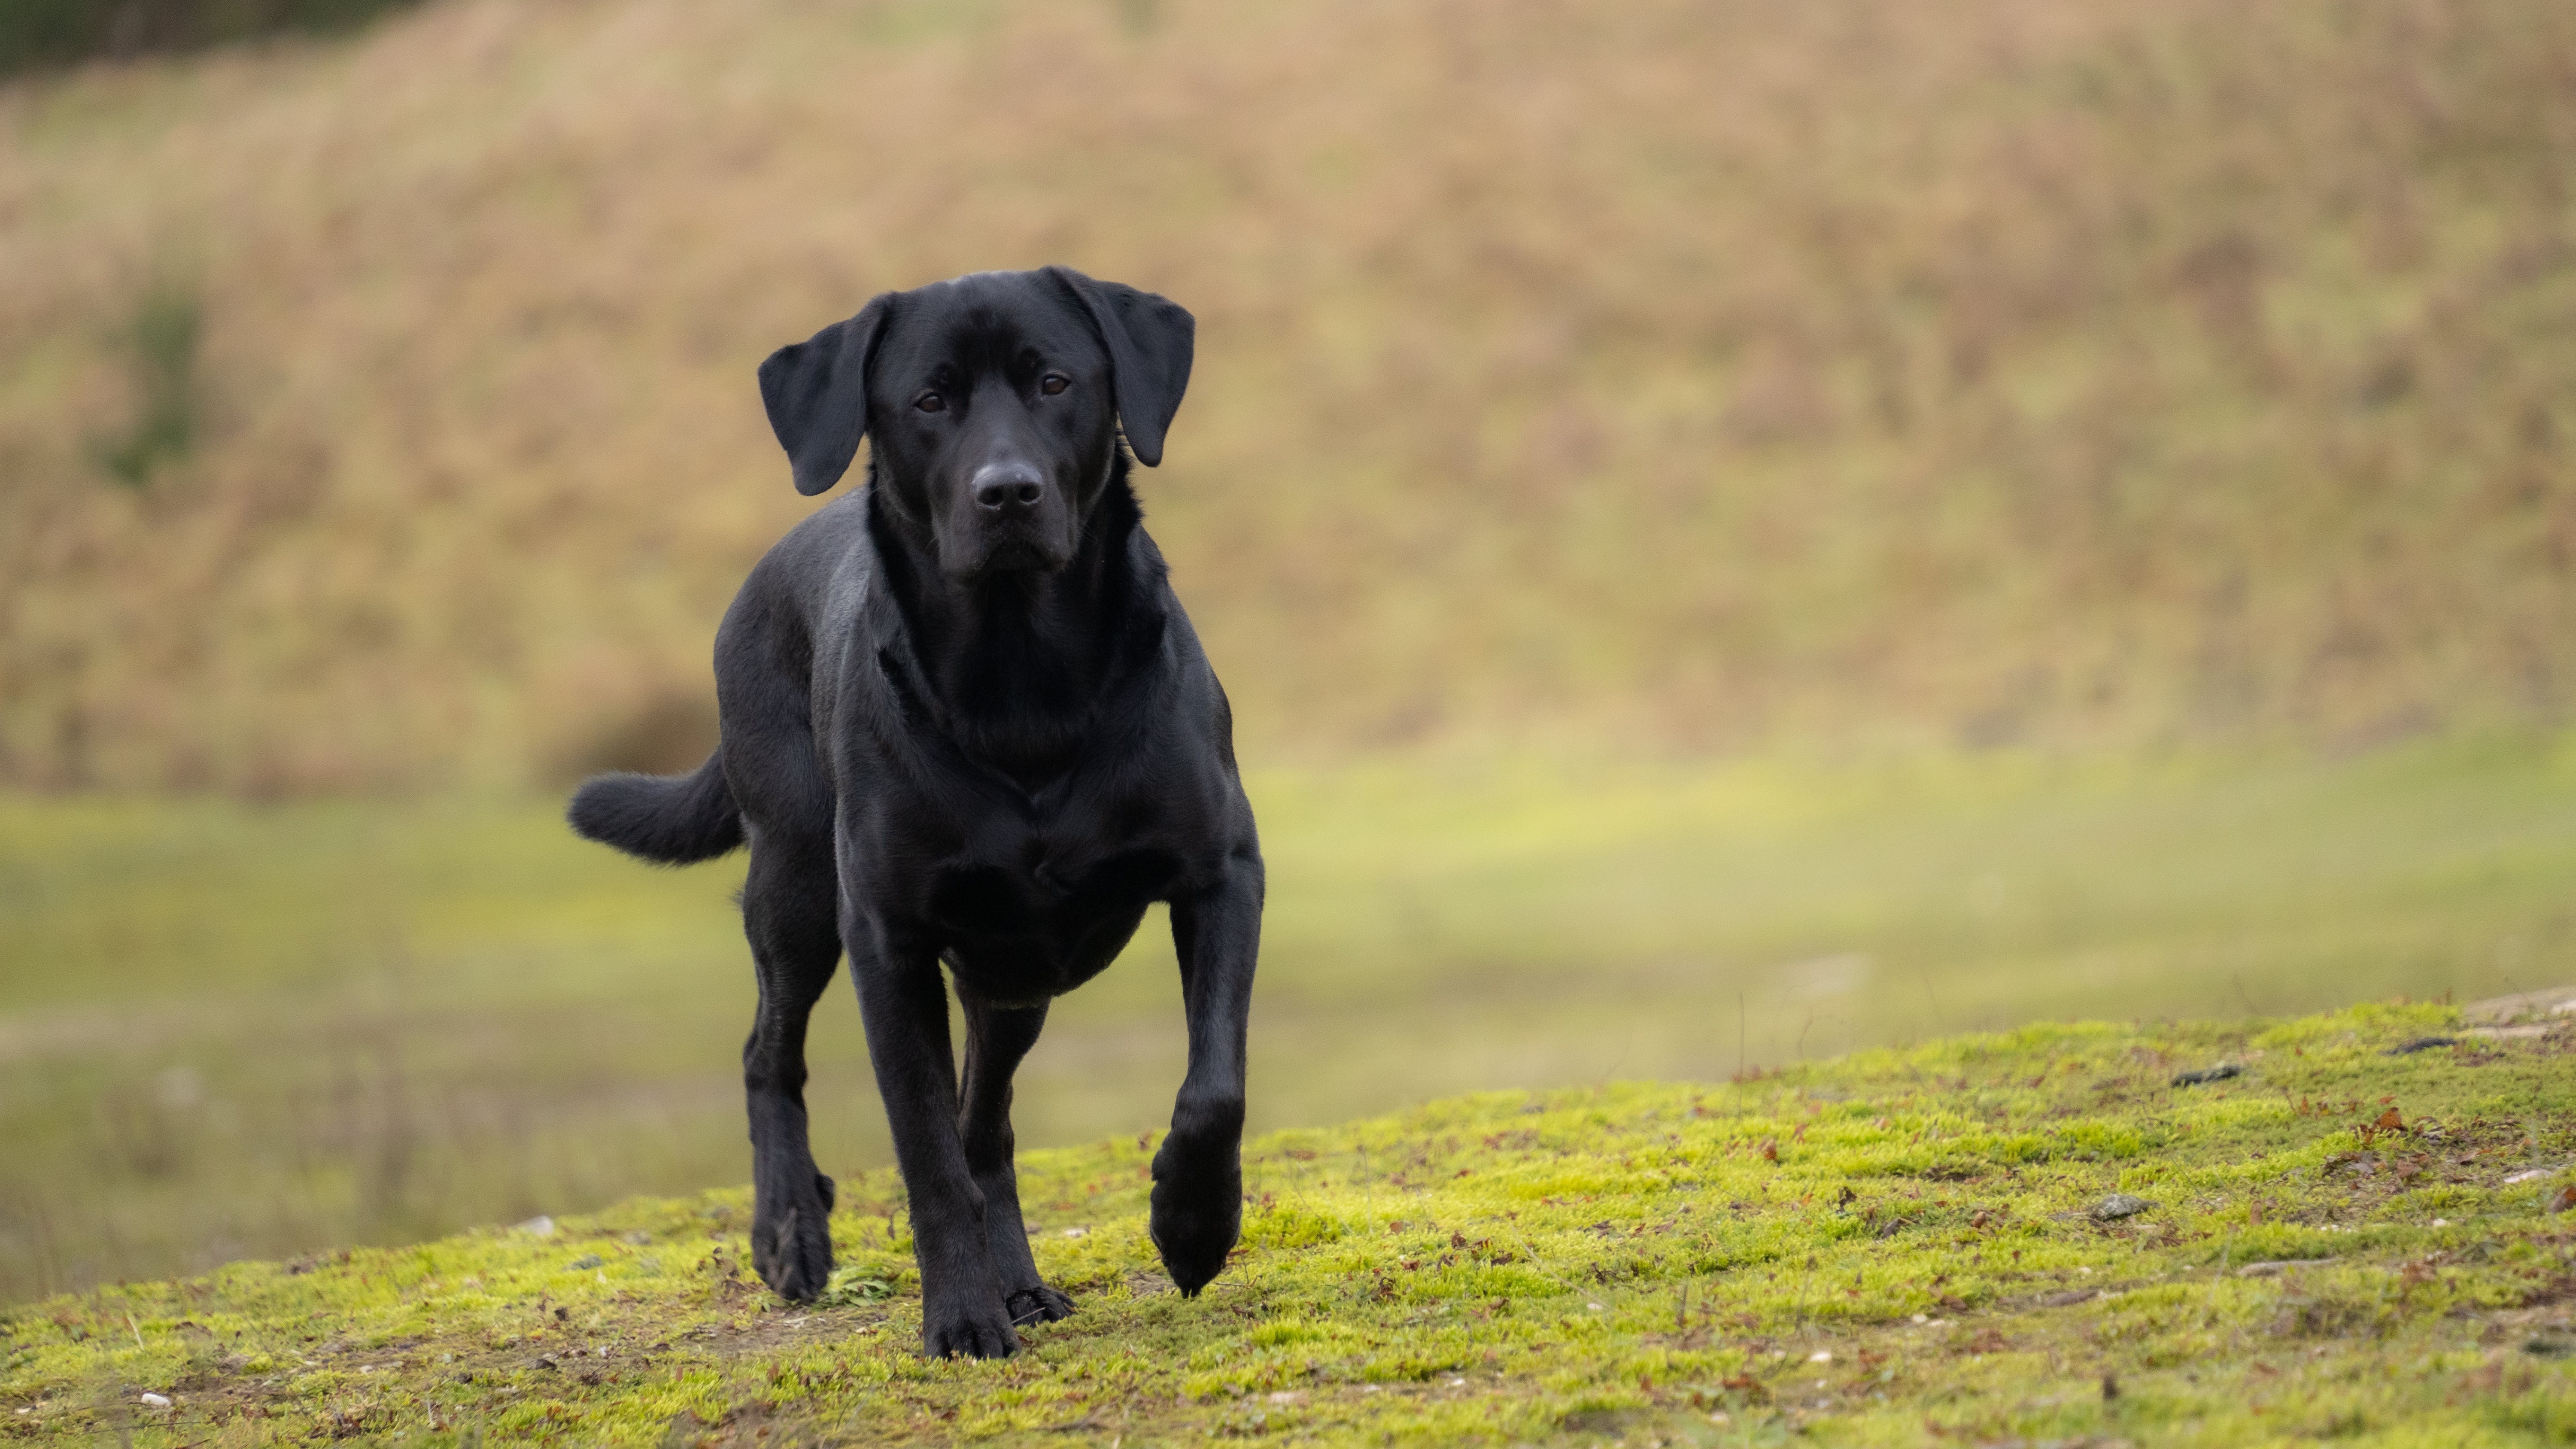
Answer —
672 819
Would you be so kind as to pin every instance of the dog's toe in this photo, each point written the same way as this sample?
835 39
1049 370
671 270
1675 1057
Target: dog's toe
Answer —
984 1333
1193 1231
1038 1305
793 1253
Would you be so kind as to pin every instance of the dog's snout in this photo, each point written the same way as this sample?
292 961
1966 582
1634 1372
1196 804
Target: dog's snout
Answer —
1007 487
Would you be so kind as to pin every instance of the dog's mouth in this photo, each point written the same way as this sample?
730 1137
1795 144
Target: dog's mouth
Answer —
1016 551
1021 556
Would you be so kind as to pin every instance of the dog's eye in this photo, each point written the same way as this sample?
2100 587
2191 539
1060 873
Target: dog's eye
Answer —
1054 382
931 402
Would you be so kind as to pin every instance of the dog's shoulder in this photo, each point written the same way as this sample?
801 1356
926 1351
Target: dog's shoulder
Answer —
829 550
809 589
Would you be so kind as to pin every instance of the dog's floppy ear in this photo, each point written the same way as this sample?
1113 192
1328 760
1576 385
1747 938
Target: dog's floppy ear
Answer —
817 395
1150 340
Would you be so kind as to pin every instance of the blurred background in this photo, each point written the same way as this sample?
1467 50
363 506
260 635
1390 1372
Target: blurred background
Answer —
1736 530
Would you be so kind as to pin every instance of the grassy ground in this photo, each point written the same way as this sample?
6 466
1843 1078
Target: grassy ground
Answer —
2346 1241
231 1030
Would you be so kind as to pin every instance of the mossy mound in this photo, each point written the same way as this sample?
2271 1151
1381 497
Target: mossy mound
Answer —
2344 1239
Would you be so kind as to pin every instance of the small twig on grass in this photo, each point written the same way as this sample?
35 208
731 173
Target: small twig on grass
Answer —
1739 1036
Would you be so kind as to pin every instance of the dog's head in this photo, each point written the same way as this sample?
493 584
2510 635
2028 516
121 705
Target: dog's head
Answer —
996 402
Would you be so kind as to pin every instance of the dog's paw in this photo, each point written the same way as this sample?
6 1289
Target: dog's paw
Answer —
1037 1305
1198 1212
957 1331
791 1244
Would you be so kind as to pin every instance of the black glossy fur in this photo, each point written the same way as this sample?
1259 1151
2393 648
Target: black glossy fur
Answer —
966 721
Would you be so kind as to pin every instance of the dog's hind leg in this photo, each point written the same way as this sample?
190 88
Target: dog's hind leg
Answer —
787 911
997 1037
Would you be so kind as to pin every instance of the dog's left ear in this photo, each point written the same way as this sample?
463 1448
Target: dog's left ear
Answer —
1150 341
817 395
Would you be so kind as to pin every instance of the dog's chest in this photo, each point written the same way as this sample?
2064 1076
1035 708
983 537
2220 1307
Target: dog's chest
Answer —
977 898
1033 882
1029 897
1045 920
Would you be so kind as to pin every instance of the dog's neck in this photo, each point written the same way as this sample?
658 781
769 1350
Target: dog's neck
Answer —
1016 664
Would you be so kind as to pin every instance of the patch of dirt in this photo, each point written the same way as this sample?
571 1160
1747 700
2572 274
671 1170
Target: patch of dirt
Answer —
2553 1001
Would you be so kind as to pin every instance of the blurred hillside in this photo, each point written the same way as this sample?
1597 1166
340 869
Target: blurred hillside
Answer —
381 411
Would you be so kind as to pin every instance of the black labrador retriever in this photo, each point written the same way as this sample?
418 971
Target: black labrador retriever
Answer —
965 721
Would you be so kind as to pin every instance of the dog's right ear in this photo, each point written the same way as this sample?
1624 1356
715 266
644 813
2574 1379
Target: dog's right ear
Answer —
817 395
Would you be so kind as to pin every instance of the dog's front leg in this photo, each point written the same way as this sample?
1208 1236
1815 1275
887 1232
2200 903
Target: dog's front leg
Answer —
905 1005
997 1037
1198 1174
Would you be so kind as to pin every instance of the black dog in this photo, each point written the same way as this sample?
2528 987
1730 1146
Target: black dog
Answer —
965 720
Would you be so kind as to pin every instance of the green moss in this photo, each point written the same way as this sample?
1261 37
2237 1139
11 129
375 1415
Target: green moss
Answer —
1877 1250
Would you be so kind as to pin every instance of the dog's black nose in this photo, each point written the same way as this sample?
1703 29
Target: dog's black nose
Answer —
1007 487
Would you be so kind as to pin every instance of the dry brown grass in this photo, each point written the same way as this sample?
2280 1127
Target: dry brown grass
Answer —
1700 374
